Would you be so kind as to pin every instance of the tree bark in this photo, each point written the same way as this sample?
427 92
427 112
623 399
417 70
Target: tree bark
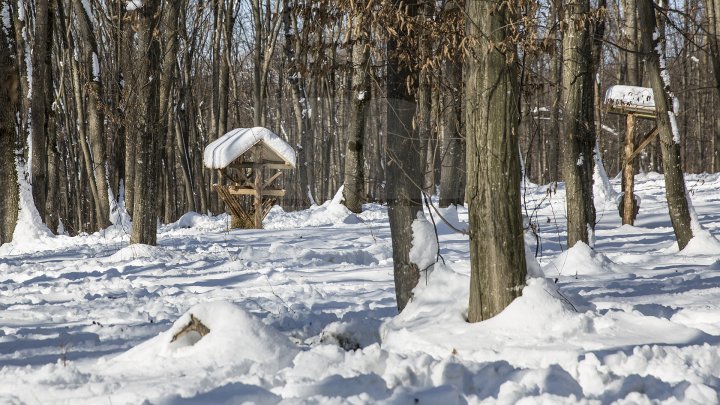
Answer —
452 166
9 86
354 191
404 172
497 250
712 10
40 94
665 104
577 129
301 108
93 94
145 210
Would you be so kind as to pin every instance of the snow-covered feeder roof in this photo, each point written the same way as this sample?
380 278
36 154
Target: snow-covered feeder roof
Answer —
630 99
226 149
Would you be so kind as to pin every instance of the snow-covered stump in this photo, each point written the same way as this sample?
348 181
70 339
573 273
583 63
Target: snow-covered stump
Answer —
633 102
244 156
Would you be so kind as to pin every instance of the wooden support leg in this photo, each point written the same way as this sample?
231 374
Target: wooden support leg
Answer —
627 208
258 198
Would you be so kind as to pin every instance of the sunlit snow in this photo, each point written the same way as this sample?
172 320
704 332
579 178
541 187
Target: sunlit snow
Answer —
304 312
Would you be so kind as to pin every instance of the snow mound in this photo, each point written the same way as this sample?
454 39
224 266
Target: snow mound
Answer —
200 222
580 260
235 336
30 231
332 212
140 251
439 310
703 242
540 308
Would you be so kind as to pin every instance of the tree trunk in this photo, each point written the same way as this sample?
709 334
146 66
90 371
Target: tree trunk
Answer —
9 86
40 94
130 128
305 164
354 191
577 130
452 172
712 10
665 105
90 71
404 172
145 210
497 250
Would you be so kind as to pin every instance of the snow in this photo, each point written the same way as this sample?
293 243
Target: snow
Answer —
424 243
132 5
95 67
5 18
227 148
605 196
30 229
621 95
304 312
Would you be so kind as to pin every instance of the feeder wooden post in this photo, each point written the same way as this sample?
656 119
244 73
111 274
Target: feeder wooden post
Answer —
633 102
259 215
628 203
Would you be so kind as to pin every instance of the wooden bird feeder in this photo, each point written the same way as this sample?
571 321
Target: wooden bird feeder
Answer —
245 156
633 102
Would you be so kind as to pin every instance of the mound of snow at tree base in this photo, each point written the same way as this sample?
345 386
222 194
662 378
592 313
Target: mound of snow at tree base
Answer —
540 328
580 259
236 337
332 212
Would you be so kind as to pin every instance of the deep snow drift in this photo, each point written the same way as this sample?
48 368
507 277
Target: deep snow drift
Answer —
304 312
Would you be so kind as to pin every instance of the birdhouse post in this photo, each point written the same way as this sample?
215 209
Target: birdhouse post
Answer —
633 102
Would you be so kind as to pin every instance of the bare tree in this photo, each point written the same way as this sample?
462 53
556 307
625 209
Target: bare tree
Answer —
497 250
89 90
354 191
404 173
653 47
40 94
145 210
9 83
577 129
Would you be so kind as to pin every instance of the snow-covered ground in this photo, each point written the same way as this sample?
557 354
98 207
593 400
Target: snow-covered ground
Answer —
304 312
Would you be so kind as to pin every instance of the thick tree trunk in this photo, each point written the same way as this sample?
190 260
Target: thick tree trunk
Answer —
659 77
354 191
712 10
404 172
145 210
577 132
9 86
497 250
